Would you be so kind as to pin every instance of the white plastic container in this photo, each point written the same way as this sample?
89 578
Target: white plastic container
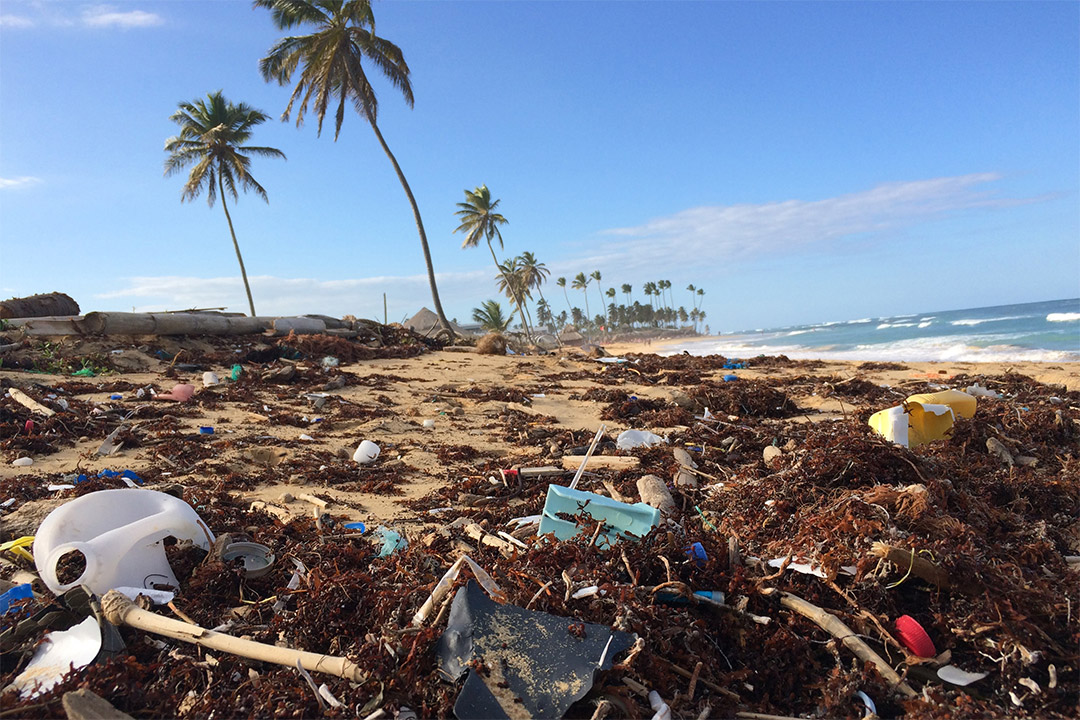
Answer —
366 453
210 378
119 533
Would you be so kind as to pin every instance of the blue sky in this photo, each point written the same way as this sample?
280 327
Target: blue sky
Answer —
801 161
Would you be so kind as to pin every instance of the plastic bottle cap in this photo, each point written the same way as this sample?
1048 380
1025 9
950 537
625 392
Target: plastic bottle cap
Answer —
914 638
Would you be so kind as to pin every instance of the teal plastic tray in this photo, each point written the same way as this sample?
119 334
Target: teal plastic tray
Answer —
620 519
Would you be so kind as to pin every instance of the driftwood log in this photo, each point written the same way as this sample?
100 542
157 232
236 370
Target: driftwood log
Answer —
119 610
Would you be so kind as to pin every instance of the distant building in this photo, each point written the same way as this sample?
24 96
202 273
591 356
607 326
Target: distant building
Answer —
426 323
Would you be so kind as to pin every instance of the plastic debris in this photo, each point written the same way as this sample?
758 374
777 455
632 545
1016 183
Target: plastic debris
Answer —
539 666
616 519
913 637
630 439
57 655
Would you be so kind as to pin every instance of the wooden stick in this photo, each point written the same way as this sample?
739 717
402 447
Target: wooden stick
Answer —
836 627
30 403
916 565
588 454
607 462
711 685
119 610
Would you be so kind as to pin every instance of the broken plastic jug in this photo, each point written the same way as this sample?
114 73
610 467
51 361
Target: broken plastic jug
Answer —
119 534
923 418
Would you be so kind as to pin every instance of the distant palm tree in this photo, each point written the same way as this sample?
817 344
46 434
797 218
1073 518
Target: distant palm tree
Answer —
331 66
511 283
479 220
534 273
580 283
610 292
212 136
627 288
650 290
490 316
595 275
561 282
701 297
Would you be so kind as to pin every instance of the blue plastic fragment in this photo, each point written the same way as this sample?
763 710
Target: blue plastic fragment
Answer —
358 526
19 592
391 541
730 378
696 551
114 474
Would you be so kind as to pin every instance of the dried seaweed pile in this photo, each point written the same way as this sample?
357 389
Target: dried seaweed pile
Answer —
968 543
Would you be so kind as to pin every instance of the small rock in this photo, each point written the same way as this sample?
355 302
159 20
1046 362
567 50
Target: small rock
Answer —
770 454
683 478
683 458
286 498
23 462
996 447
654 493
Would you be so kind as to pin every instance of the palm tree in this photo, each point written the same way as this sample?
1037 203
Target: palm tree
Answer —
479 220
561 282
701 297
534 273
610 292
490 316
510 283
580 283
595 275
331 67
650 290
627 288
212 136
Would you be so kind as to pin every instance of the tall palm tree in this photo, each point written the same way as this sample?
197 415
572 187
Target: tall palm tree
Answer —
701 297
534 273
580 283
627 288
561 282
595 275
610 292
650 290
331 63
479 220
490 316
212 136
511 283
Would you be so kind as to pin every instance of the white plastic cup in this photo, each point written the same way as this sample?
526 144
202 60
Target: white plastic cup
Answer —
210 378
366 453
429 423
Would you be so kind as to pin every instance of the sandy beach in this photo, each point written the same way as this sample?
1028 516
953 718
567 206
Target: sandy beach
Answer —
448 421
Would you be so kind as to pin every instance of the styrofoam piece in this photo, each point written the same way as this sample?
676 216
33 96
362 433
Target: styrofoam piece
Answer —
55 657
622 519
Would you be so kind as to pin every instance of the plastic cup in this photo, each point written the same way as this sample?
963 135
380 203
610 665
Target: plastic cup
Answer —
366 453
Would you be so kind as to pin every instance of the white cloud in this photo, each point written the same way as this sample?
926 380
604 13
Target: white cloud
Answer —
713 234
17 182
110 16
361 297
15 22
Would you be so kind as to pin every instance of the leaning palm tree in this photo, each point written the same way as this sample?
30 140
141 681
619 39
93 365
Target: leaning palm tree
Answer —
580 283
212 136
595 275
331 66
490 316
479 220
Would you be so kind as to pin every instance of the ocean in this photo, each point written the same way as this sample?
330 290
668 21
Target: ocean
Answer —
1033 332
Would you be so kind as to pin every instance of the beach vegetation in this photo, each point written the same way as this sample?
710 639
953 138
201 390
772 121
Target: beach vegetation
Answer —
212 139
331 63
490 316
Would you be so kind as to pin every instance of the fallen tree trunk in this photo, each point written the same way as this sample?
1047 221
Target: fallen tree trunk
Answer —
42 305
118 323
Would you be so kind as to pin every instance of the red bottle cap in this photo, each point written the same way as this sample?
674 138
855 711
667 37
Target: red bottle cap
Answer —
914 638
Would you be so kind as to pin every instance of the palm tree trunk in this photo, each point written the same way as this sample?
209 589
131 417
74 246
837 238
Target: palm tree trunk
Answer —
419 227
236 246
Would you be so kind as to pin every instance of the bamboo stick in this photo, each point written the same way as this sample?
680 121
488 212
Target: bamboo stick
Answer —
119 610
